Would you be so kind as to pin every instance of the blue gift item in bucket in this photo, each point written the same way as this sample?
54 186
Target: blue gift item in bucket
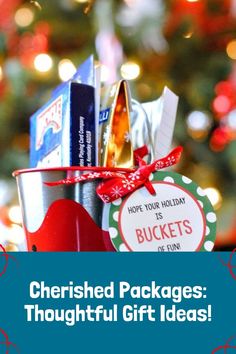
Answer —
64 217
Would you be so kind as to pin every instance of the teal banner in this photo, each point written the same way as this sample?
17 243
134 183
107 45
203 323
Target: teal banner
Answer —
117 302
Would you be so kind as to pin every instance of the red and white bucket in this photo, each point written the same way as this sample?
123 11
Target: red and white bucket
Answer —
62 217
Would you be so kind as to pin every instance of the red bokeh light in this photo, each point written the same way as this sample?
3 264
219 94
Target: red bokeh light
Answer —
219 139
221 104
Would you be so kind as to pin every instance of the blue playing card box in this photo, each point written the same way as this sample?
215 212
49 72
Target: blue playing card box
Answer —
63 131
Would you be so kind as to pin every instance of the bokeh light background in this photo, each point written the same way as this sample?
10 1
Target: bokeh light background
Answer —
188 45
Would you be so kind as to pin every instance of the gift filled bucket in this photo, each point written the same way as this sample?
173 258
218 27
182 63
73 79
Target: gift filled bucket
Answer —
110 143
61 217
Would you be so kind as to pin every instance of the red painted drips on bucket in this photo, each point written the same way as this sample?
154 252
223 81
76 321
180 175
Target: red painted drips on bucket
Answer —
67 226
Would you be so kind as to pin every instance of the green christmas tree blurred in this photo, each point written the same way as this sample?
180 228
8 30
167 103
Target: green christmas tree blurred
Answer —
188 45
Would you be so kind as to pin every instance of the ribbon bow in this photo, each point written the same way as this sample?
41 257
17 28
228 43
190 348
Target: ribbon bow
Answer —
118 184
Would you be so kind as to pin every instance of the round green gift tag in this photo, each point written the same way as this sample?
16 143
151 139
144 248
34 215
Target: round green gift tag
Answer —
179 217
